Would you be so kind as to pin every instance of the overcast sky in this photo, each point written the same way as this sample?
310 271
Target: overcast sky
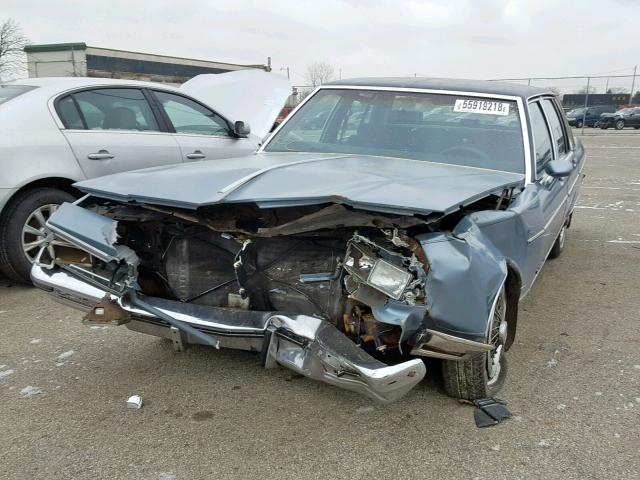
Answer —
457 38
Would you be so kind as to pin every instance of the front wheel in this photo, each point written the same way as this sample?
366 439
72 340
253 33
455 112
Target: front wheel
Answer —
619 124
483 374
23 231
579 124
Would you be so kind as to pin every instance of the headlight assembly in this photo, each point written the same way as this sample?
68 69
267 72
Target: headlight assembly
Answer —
389 279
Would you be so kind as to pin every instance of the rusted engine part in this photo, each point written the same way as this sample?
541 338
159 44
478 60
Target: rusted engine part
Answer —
364 328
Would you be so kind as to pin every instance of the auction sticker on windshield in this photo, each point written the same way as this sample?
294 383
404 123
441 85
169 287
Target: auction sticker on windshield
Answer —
481 106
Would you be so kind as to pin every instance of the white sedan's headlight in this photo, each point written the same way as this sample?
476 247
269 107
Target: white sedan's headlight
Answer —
389 279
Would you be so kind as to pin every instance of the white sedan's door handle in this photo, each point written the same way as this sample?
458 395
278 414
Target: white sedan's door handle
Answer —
197 155
100 155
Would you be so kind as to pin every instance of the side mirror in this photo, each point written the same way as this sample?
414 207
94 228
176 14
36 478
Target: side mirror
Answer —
241 129
559 168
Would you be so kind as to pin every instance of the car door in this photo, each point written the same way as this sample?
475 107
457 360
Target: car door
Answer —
634 118
565 149
201 133
112 130
544 200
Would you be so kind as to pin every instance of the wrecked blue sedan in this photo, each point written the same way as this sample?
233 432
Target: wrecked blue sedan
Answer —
408 222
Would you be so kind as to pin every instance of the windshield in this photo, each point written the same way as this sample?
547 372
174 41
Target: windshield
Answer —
7 92
452 129
624 111
575 112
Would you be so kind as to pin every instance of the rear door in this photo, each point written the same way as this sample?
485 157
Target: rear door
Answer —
112 130
200 132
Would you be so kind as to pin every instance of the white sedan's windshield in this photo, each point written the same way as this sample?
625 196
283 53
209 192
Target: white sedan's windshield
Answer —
453 129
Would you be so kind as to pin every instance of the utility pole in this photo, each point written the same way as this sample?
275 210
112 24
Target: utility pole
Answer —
633 83
586 104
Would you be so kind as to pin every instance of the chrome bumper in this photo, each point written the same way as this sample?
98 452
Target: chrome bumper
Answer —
308 345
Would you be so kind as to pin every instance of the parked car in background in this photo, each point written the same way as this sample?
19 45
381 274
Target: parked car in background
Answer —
368 232
589 116
626 117
58 131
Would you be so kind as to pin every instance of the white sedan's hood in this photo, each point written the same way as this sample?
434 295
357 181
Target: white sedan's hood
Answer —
253 96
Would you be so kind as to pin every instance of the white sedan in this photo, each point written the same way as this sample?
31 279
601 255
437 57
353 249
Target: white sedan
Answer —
57 131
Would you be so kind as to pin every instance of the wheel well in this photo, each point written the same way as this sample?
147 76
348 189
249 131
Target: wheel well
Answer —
513 287
61 183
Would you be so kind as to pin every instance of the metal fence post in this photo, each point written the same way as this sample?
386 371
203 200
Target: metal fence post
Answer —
586 105
633 84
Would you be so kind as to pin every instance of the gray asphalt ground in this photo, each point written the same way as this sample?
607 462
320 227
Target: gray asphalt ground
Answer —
573 386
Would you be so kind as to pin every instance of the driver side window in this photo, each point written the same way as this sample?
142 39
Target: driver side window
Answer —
190 117
541 138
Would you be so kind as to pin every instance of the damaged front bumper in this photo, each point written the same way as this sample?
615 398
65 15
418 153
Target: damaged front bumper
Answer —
308 345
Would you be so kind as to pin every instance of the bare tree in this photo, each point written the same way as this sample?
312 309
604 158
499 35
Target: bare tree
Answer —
618 90
556 91
319 73
591 90
12 43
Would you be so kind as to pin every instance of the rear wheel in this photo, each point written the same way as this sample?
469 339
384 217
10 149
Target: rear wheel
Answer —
619 124
23 232
558 246
483 374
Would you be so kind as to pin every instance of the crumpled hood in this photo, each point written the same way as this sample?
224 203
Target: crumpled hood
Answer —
380 184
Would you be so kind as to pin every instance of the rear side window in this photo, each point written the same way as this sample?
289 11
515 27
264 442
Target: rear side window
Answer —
557 132
110 109
7 92
190 117
541 138
69 113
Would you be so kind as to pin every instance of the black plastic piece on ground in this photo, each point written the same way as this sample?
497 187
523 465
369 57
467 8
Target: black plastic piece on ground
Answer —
490 411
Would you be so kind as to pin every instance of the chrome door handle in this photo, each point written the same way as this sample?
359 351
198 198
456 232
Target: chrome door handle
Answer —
100 155
197 155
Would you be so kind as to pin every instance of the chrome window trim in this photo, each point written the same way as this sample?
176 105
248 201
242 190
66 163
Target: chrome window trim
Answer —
528 167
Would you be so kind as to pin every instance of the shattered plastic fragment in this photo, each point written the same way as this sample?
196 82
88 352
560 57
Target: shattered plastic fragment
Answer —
364 409
6 373
134 401
29 391
65 355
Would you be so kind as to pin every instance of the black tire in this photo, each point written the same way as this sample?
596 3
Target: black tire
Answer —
13 261
558 245
579 124
619 125
637 127
469 379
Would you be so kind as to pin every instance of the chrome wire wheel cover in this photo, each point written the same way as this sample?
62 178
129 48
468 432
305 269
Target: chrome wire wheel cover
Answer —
561 237
497 338
36 237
